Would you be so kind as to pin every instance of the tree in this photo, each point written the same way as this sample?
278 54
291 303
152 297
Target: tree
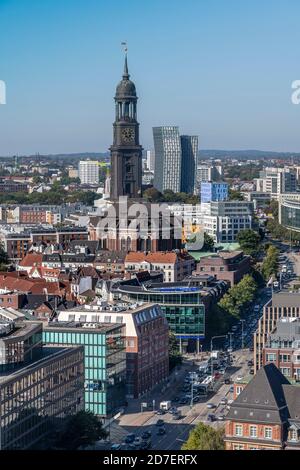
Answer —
175 357
204 437
270 264
235 195
239 296
208 243
249 241
152 195
81 430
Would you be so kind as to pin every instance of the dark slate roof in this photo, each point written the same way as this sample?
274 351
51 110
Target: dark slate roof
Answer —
292 396
90 244
263 399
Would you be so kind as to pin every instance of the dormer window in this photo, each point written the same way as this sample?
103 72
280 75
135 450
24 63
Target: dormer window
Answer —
293 435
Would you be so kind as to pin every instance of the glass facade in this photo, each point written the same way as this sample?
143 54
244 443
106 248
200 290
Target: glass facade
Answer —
36 399
189 147
167 145
22 346
104 364
184 311
290 214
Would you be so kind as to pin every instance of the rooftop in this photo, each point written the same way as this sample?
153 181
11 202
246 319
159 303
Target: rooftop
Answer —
49 352
70 326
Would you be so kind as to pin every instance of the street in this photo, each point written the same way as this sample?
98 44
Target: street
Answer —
177 432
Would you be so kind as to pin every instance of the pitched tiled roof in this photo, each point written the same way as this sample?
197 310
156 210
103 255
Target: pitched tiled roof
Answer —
158 257
32 259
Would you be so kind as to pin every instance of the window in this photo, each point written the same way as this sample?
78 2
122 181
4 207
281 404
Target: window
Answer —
238 430
285 371
271 357
284 358
293 435
238 447
253 431
268 433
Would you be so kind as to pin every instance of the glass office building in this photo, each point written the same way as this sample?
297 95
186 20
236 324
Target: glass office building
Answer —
22 344
289 214
182 306
35 399
211 191
189 149
167 145
105 361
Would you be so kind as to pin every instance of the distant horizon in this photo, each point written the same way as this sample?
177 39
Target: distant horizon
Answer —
107 153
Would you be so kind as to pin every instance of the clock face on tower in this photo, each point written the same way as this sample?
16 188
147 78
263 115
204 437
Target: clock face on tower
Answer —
128 134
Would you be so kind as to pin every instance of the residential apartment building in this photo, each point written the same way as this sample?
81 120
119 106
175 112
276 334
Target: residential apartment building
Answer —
175 266
88 172
283 348
265 414
209 173
282 305
277 181
147 340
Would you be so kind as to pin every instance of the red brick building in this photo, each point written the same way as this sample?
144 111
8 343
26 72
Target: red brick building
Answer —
228 266
147 340
265 414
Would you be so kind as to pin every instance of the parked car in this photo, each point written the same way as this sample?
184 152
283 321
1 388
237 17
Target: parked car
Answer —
160 422
161 431
223 401
172 410
227 381
221 418
146 435
160 412
210 405
211 418
129 438
115 447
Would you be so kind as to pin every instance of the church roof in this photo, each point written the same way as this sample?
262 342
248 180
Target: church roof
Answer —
126 88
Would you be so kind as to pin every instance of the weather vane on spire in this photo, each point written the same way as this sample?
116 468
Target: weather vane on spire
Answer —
125 46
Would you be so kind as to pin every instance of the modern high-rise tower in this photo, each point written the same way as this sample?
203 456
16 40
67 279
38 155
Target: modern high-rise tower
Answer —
126 152
189 149
175 160
167 145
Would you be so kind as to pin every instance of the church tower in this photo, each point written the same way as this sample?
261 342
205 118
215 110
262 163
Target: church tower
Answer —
126 152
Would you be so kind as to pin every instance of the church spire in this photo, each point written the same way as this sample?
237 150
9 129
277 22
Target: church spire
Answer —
125 74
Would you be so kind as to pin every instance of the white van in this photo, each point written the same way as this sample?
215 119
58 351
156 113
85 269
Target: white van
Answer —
165 405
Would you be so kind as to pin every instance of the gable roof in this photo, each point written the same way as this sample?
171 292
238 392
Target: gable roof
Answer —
263 399
158 257
32 259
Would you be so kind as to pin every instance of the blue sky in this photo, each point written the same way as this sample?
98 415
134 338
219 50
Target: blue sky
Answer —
219 69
